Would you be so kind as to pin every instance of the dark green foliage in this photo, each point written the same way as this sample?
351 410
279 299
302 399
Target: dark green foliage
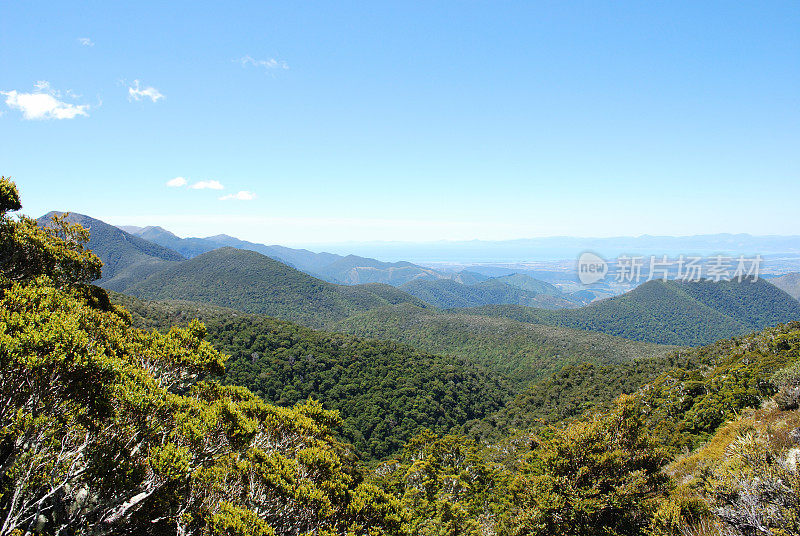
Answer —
569 393
526 282
9 196
384 392
694 390
671 312
253 283
519 290
519 351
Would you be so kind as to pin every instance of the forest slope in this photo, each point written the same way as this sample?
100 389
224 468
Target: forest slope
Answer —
385 392
670 312
520 351
253 283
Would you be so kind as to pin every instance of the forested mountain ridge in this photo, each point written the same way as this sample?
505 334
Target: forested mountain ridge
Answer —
447 293
385 392
254 283
354 270
670 312
573 478
349 270
126 258
521 352
577 388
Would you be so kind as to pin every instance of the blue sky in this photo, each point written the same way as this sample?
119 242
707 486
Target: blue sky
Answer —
406 121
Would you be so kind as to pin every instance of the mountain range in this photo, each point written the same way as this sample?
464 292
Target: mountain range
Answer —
670 312
667 313
131 254
344 269
254 283
569 247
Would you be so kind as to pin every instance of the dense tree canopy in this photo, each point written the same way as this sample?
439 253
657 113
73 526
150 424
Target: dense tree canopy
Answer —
385 392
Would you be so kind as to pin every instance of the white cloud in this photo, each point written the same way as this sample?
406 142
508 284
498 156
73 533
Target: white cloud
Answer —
177 182
43 103
239 196
207 185
137 93
268 64
85 41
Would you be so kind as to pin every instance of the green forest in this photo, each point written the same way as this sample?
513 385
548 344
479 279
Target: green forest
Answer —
127 416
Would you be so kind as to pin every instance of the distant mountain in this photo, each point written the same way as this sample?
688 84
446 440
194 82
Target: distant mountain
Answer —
670 312
126 258
517 289
789 283
354 270
349 270
301 259
254 283
468 277
518 351
569 247
526 282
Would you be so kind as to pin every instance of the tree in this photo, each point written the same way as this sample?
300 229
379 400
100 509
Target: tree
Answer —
598 476
27 251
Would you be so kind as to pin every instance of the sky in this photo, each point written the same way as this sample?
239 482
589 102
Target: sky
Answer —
326 122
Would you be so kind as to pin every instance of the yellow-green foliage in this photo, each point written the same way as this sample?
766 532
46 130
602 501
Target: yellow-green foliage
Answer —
449 484
688 404
27 252
599 475
711 477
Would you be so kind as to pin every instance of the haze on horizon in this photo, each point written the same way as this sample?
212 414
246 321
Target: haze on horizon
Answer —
317 123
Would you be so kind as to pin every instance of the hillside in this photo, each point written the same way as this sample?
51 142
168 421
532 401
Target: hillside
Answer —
516 289
126 258
526 282
254 283
354 270
789 283
519 351
690 391
385 392
671 312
